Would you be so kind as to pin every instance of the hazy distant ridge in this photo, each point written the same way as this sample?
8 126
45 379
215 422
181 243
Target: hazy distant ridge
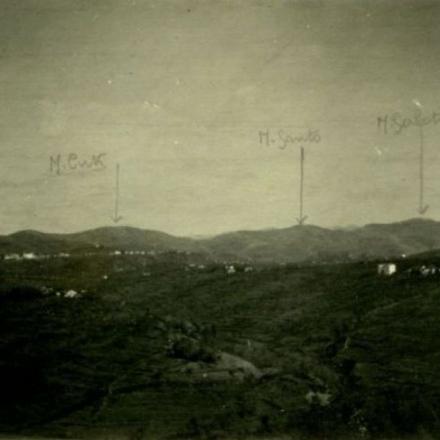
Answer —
293 244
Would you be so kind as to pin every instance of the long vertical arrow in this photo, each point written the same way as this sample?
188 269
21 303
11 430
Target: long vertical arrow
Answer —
422 207
301 218
116 217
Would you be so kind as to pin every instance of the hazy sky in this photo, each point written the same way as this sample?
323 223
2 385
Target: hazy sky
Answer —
176 92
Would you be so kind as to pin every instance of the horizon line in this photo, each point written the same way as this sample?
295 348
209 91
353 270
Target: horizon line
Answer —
208 236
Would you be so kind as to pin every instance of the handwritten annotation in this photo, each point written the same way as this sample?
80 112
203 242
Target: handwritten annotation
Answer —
395 123
281 139
66 164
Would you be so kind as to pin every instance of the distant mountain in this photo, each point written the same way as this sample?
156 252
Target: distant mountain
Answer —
118 237
32 241
293 244
312 243
125 237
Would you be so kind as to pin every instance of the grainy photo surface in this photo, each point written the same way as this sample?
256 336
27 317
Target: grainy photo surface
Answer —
219 219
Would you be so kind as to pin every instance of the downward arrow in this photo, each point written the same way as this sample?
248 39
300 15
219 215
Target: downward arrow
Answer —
422 210
422 207
116 217
301 220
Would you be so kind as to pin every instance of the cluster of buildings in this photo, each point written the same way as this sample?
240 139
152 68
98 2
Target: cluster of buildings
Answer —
69 293
231 269
36 256
118 253
424 270
33 256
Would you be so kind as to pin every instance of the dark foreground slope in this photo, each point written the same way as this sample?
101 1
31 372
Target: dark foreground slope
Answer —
168 350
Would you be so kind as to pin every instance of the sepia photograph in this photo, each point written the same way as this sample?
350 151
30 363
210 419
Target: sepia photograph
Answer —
220 219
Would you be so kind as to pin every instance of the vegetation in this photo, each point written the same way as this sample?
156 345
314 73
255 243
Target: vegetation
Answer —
294 244
165 349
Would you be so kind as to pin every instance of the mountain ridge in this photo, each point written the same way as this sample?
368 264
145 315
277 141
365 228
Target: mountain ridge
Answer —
291 244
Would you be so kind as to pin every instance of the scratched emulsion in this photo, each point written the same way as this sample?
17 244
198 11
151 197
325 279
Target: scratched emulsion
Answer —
179 92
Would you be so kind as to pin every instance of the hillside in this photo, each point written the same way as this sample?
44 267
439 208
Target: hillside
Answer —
312 243
177 353
289 245
118 237
123 237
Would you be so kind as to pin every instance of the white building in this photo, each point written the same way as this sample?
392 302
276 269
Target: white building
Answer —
386 269
230 269
29 256
71 294
14 257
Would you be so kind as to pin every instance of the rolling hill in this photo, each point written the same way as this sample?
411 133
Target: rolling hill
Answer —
293 244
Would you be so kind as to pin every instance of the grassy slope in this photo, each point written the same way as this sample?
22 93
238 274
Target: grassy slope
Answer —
370 343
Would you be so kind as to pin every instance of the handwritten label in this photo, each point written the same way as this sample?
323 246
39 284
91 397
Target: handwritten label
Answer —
395 123
282 139
66 164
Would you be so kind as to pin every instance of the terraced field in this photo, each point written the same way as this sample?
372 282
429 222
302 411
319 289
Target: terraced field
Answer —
159 349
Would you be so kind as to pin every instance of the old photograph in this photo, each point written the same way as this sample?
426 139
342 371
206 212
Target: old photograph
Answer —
220 219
